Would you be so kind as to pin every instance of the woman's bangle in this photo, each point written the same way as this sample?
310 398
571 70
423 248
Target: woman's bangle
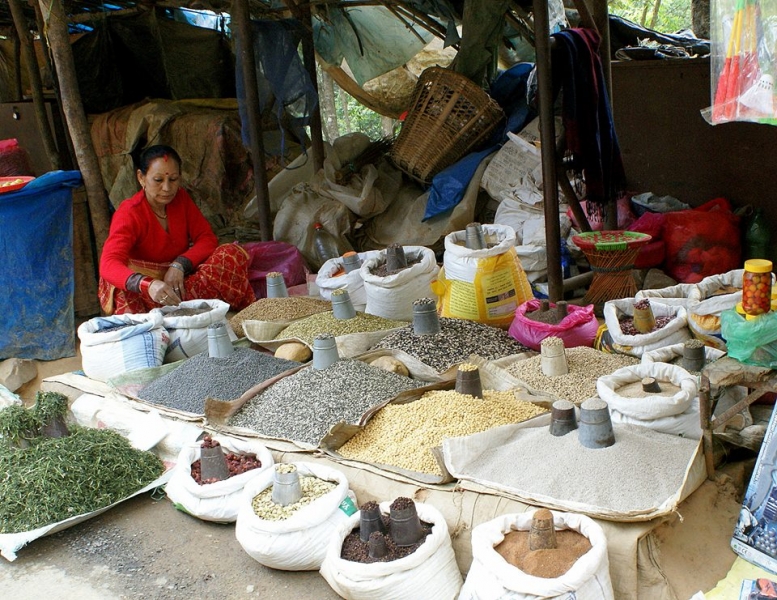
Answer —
145 284
178 266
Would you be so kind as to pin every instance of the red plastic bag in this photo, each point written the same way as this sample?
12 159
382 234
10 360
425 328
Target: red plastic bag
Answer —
702 242
268 257
578 328
653 253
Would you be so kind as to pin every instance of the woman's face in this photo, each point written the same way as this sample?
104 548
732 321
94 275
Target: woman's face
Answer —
161 181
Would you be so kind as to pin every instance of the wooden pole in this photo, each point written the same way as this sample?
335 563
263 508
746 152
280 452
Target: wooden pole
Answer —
241 19
59 41
548 149
36 85
17 59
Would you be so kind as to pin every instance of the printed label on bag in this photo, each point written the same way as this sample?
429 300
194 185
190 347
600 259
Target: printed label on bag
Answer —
347 506
462 303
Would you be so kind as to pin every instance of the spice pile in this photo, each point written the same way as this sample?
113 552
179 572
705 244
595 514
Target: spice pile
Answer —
403 435
355 550
278 309
186 387
313 488
306 329
57 478
457 340
585 364
548 563
305 405
236 463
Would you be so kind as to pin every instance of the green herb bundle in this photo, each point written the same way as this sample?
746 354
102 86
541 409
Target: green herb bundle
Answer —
58 478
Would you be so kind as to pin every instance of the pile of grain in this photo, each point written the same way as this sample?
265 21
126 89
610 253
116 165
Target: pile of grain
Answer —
278 309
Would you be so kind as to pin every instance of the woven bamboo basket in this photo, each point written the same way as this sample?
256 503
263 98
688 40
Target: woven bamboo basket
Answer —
450 117
611 255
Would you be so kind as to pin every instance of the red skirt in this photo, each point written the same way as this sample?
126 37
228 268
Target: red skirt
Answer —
223 276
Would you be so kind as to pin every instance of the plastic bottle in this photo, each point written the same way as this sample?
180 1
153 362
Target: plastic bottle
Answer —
324 243
757 237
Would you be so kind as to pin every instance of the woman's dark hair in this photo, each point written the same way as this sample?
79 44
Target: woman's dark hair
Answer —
151 153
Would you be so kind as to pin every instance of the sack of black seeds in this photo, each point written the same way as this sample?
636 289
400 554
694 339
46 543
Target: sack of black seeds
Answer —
390 294
622 337
117 344
218 501
293 537
188 325
492 576
430 572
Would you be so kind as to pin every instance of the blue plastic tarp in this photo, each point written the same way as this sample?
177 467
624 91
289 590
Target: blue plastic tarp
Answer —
36 268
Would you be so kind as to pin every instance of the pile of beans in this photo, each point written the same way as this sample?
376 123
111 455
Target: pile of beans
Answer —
585 364
313 488
457 340
306 329
628 328
278 309
403 435
305 405
186 387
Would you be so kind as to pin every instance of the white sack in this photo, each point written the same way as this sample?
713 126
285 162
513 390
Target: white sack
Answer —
218 501
352 282
392 296
491 577
675 415
109 353
676 330
189 334
429 573
300 542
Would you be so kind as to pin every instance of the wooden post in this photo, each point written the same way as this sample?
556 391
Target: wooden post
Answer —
59 42
36 85
241 19
17 58
548 149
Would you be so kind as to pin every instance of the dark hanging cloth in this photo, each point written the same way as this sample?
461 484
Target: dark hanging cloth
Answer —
587 116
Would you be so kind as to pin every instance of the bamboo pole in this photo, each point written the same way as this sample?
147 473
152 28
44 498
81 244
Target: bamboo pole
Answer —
36 84
59 41
241 19
548 150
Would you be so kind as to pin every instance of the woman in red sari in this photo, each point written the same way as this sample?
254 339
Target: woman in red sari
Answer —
161 250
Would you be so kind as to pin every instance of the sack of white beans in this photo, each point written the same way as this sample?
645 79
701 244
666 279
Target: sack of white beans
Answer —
218 501
429 572
673 410
673 330
491 577
298 542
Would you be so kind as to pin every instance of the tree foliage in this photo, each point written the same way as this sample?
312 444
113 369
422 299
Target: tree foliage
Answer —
672 16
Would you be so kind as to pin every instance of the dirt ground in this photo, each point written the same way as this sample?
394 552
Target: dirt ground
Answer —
145 549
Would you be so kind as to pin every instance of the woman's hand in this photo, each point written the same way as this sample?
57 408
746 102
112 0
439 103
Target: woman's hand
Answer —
174 278
163 293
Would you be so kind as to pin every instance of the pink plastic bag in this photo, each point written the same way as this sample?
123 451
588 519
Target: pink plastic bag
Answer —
268 257
625 216
578 328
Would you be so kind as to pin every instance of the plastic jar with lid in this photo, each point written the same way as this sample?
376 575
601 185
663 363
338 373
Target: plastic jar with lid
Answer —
757 286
